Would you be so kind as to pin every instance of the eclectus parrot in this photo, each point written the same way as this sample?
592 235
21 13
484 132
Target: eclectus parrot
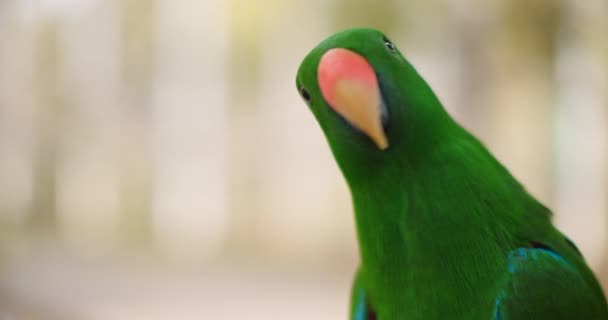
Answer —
444 230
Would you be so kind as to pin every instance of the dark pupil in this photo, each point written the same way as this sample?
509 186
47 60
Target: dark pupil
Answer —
305 94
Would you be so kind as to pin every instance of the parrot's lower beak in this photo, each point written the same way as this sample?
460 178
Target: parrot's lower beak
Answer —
349 85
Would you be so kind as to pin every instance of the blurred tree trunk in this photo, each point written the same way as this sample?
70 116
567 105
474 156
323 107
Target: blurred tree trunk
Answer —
49 108
190 129
524 67
138 27
16 121
88 182
601 48
507 55
16 125
602 43
581 131
245 35
598 33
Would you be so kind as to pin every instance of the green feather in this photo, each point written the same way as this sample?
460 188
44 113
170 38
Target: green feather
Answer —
438 217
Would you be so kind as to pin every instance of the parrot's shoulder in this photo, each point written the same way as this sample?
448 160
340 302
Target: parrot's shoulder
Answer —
540 283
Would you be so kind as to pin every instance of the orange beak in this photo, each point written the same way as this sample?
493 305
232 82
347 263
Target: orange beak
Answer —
349 84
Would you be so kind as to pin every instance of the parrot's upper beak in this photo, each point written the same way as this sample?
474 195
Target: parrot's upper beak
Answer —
349 84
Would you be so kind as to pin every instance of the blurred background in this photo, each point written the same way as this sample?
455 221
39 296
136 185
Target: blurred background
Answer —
156 161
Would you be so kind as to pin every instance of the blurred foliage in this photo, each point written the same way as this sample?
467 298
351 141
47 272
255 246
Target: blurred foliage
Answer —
532 27
382 15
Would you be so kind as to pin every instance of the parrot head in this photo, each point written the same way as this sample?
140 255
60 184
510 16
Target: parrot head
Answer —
371 104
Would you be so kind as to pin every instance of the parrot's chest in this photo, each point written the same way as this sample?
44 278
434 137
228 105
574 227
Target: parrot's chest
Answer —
447 284
433 264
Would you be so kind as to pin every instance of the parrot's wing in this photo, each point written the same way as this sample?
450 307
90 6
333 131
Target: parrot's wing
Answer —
541 284
359 301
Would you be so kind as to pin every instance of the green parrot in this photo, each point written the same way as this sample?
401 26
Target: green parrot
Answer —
444 230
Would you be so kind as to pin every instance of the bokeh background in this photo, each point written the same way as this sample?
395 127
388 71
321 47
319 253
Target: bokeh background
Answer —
156 161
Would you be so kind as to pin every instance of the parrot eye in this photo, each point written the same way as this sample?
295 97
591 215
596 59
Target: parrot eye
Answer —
389 45
305 95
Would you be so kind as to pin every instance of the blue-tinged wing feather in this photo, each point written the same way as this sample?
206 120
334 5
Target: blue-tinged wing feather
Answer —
541 284
360 308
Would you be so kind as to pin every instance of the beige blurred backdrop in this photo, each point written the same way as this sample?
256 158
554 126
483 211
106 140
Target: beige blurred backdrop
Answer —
156 161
